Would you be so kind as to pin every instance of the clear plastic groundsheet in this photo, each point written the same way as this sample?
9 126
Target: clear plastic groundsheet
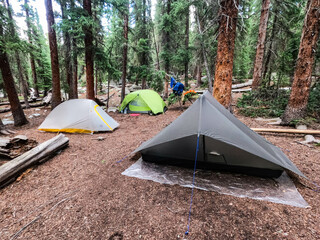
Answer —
279 190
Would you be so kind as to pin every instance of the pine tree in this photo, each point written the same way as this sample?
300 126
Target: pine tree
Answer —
296 108
56 92
88 41
142 40
186 63
16 109
125 50
14 35
224 60
41 53
32 60
167 29
257 73
67 48
204 54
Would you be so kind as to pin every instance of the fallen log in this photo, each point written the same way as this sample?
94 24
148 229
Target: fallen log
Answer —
4 141
39 154
241 85
241 90
22 101
294 131
3 110
107 99
4 132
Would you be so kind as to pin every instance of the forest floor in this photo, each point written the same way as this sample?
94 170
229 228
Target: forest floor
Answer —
81 194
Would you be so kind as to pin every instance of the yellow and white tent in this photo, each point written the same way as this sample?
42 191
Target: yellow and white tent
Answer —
78 116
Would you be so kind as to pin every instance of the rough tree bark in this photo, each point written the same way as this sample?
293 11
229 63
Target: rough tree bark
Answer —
88 39
297 105
258 63
32 61
56 93
224 60
186 64
17 112
125 52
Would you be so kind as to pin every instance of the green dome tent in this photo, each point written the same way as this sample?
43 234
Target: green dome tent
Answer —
143 101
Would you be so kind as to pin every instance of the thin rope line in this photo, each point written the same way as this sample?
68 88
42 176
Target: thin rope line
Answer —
124 158
193 179
317 187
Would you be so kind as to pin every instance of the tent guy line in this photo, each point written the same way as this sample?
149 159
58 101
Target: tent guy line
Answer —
192 189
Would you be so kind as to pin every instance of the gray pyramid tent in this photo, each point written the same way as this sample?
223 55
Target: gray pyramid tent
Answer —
225 143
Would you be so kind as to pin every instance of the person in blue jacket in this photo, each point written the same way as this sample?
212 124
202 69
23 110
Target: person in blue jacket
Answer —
177 87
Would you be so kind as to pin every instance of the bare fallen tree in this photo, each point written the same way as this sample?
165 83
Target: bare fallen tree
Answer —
39 154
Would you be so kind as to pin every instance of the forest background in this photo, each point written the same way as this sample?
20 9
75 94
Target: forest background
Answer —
91 43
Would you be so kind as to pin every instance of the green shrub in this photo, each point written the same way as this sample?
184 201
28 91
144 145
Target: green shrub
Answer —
263 103
272 103
314 100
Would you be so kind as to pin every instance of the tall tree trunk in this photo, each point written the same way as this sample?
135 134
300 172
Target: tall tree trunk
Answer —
88 39
16 53
74 70
22 80
74 82
144 83
199 74
108 96
297 105
26 76
16 109
145 36
96 83
224 60
56 92
268 56
205 60
125 52
186 63
156 46
167 48
258 63
67 50
32 61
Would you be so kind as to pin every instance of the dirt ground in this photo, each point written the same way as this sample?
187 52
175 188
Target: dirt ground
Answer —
81 194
